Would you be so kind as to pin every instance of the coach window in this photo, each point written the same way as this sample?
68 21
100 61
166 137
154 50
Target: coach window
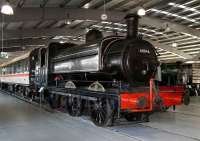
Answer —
7 69
4 70
26 65
11 69
14 67
22 66
18 67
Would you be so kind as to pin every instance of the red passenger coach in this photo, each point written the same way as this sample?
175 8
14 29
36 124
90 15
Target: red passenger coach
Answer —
152 99
174 95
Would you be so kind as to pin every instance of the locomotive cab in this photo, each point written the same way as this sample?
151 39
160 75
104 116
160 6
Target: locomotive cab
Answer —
39 66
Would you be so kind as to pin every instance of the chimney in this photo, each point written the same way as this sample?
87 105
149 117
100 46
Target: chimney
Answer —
132 21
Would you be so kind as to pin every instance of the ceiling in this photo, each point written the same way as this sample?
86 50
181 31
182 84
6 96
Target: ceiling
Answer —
173 26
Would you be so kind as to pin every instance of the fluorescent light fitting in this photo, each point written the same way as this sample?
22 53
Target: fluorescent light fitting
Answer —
192 62
141 12
4 55
169 58
174 44
104 16
174 15
120 24
106 22
7 9
62 42
68 22
86 6
184 7
168 55
97 26
193 52
87 30
151 30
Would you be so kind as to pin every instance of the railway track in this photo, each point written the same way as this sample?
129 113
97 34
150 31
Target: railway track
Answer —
143 133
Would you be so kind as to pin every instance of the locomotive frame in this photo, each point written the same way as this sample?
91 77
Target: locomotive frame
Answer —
31 91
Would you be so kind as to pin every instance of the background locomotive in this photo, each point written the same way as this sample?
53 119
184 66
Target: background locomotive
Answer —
107 76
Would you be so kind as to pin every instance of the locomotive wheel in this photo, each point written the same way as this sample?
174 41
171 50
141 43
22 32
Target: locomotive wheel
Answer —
102 113
26 92
53 101
133 116
74 106
63 101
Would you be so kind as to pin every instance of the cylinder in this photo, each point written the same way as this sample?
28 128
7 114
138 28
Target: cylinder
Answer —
132 21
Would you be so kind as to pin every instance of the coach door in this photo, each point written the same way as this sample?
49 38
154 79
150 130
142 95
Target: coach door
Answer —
43 67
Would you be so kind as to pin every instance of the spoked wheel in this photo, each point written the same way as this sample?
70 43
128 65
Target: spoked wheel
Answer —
63 101
133 116
102 113
51 101
26 92
74 106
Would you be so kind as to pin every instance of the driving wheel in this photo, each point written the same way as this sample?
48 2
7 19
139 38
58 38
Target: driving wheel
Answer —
102 113
74 105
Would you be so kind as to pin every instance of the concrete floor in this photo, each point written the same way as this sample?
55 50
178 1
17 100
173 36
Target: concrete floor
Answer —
180 125
20 121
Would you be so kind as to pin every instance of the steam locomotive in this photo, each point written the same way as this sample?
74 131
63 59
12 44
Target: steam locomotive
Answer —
107 77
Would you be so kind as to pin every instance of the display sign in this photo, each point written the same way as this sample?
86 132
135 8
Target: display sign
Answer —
3 55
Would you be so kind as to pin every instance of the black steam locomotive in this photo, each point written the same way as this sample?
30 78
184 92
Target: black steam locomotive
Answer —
107 77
